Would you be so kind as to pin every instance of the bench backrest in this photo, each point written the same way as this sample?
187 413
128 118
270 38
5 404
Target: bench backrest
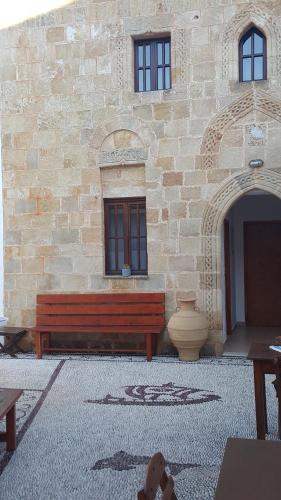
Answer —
101 309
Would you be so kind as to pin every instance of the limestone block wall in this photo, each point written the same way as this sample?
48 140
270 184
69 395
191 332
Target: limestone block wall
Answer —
74 131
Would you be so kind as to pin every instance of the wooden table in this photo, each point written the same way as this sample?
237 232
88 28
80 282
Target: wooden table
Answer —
14 335
250 470
262 358
8 399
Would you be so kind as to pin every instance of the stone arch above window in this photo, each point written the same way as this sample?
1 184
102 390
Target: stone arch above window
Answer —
125 140
252 15
251 100
121 139
122 146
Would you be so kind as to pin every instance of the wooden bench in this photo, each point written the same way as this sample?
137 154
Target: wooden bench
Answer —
99 313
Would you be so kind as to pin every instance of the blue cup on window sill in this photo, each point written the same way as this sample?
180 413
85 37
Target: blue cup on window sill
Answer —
126 271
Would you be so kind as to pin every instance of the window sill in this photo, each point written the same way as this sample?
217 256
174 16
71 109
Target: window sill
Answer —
253 83
162 91
132 277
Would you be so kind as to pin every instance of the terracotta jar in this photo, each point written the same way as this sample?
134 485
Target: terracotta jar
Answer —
188 330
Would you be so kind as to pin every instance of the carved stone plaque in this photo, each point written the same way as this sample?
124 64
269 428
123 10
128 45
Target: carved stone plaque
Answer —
117 156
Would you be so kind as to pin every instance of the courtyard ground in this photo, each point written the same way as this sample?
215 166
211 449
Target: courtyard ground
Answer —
87 425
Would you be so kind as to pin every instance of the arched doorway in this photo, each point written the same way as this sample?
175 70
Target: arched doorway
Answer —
212 283
252 270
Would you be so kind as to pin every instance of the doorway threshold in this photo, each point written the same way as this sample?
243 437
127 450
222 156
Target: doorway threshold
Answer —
238 344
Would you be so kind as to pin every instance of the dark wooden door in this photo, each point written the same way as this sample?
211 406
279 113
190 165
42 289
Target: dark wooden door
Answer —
262 259
227 270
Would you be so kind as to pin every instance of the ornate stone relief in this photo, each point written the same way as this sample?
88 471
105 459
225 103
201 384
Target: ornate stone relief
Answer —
117 156
215 212
256 135
119 46
252 100
180 54
252 13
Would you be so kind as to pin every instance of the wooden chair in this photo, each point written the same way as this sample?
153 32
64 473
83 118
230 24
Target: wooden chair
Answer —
156 476
277 385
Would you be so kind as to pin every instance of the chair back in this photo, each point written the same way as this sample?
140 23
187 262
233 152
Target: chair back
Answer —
156 476
277 381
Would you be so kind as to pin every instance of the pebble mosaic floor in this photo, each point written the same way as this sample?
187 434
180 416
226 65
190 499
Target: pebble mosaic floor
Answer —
87 425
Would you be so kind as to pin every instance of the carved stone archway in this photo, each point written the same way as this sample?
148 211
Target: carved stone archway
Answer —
252 100
229 192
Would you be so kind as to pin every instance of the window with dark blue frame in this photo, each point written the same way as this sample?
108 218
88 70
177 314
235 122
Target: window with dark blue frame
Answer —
152 64
125 235
252 56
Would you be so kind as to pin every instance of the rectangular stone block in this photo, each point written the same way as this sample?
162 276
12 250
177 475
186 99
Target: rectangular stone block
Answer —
55 34
32 159
49 205
99 283
168 147
204 71
172 179
178 210
26 282
156 282
165 163
74 282
189 145
190 227
62 236
46 251
200 36
33 265
158 263
162 111
70 204
83 265
196 208
203 108
190 245
190 193
181 263
8 72
12 266
12 237
188 281
58 265
36 236
123 284
25 206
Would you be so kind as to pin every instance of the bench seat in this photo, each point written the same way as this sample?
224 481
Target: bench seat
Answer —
122 314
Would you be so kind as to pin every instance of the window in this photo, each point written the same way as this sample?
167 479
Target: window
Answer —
152 64
125 235
252 56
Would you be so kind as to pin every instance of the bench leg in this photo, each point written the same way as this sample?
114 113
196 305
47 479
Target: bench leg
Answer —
154 344
11 429
38 345
47 340
149 346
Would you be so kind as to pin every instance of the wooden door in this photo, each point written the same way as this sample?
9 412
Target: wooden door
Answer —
227 271
262 260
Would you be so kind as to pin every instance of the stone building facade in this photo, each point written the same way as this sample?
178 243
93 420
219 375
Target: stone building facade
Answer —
75 131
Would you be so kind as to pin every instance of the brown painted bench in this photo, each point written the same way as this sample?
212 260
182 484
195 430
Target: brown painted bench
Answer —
99 313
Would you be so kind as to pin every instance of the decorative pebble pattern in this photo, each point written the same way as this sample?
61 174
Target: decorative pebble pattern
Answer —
76 450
